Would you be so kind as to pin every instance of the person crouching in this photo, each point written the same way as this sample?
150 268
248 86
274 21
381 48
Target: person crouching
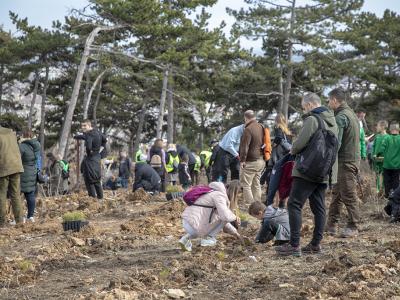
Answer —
208 217
274 223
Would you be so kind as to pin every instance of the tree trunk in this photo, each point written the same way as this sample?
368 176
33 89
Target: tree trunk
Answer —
87 87
43 110
170 120
33 101
280 105
162 104
289 75
96 103
142 118
77 85
89 97
1 87
131 146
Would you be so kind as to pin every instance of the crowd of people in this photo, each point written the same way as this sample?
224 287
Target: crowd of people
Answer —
325 153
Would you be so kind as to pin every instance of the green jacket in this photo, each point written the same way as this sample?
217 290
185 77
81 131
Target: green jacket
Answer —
310 126
363 148
10 158
29 177
378 142
349 134
391 152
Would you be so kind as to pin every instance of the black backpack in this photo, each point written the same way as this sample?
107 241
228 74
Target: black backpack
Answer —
317 159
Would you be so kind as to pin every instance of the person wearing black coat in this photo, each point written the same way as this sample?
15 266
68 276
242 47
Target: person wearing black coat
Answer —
146 178
91 164
181 150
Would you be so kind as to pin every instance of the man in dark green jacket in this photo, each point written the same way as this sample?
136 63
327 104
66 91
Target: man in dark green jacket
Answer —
345 191
304 188
10 171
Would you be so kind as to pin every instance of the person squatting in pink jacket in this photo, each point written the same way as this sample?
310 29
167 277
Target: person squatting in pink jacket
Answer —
207 222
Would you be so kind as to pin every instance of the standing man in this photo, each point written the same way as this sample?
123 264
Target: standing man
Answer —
227 156
91 164
345 191
10 172
251 157
124 171
305 186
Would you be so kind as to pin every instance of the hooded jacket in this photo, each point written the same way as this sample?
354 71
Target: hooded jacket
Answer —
10 157
28 148
199 217
310 126
144 172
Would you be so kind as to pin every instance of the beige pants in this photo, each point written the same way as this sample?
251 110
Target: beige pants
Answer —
250 180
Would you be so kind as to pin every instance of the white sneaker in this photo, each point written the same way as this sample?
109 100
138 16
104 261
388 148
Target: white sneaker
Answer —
186 243
13 223
209 241
31 219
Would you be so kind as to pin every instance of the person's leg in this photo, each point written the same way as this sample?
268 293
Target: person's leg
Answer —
336 203
192 173
234 166
214 231
317 205
246 180
396 179
267 232
14 188
256 185
89 187
99 190
189 230
273 183
348 191
30 201
387 180
3 199
301 191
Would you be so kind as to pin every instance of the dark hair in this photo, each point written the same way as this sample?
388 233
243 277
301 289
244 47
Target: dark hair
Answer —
256 207
87 121
361 110
339 94
185 158
27 133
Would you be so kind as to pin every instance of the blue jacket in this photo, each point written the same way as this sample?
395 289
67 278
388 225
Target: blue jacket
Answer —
231 140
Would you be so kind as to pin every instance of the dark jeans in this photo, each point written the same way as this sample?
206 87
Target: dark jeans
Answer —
124 183
31 203
94 189
275 178
147 186
223 162
390 180
301 191
267 232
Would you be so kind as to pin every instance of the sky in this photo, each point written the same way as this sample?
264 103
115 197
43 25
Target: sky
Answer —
43 12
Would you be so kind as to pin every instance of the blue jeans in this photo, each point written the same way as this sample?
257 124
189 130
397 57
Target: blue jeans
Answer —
30 201
124 183
275 178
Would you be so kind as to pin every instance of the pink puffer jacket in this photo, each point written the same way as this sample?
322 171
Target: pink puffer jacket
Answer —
199 217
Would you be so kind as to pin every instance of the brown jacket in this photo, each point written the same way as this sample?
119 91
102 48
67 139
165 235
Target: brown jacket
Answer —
252 142
10 157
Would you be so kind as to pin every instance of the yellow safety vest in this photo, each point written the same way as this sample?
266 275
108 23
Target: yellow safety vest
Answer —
172 160
207 156
197 166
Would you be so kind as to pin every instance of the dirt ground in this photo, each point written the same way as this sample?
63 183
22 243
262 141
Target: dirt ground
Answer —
130 251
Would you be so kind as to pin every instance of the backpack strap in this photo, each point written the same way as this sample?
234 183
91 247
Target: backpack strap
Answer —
321 123
207 206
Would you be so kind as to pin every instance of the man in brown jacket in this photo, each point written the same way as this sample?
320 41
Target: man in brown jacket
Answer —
10 170
251 157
